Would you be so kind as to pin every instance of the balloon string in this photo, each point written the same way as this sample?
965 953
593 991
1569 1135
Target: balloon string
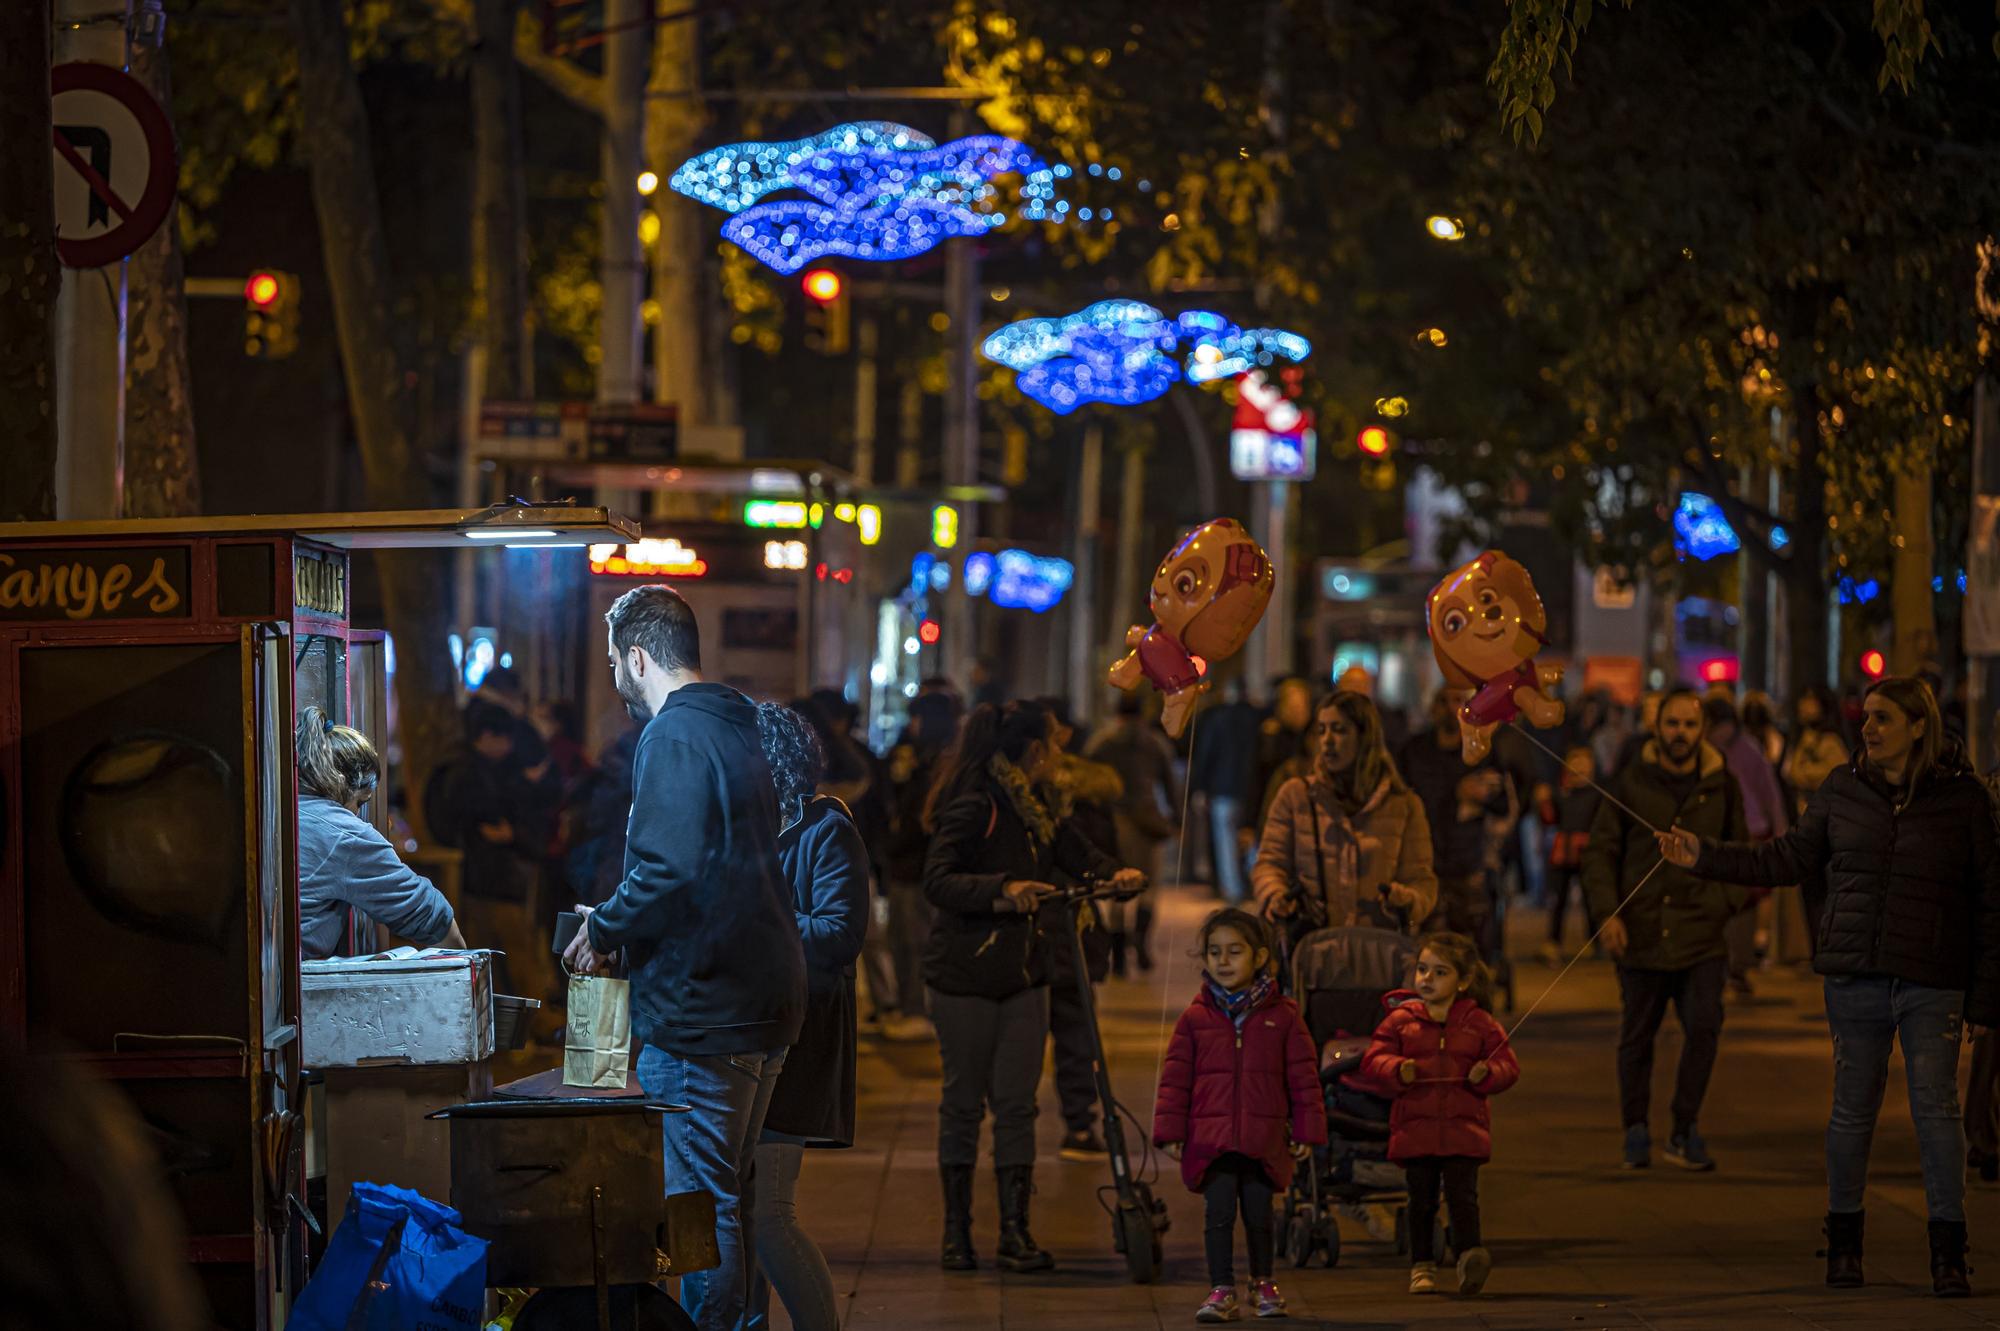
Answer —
1592 942
1180 851
1633 813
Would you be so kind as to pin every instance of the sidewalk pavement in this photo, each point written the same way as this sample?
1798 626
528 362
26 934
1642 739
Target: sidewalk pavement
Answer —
1576 1241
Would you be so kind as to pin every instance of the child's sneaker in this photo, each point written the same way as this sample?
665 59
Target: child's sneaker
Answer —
1270 1303
1424 1278
1474 1266
1219 1306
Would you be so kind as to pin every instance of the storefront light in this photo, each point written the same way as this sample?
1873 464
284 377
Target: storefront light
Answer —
868 522
785 554
844 512
774 513
650 558
944 526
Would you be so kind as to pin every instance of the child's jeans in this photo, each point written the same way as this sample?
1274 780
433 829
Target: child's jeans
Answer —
1458 1176
1235 1181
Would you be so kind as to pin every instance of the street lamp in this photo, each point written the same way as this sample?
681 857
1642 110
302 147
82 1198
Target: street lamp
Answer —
1445 228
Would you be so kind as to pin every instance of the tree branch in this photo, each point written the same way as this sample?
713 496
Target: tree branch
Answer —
1840 116
582 88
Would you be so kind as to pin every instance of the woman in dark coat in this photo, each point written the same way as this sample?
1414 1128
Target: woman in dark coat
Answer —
1000 838
1902 843
813 1103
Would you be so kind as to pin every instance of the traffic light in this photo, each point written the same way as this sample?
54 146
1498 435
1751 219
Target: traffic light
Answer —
270 314
1374 441
1874 664
828 316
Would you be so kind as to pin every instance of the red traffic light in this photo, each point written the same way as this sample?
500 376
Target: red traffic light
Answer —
1873 663
822 284
261 290
927 632
1374 441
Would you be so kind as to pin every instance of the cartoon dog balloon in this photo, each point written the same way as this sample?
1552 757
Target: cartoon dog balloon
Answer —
1209 593
1486 624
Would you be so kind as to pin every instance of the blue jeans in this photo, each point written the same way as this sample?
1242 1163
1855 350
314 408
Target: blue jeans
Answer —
787 1257
1867 1013
710 1149
1225 820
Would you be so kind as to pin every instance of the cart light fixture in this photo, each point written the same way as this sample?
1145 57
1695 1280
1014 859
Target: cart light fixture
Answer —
509 535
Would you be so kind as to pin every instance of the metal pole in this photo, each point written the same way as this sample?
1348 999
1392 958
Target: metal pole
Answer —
961 447
1979 670
90 316
1084 684
623 267
867 342
1129 607
1278 619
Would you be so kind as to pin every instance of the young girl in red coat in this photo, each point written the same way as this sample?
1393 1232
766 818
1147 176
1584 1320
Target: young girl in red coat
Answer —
1239 1093
1442 1057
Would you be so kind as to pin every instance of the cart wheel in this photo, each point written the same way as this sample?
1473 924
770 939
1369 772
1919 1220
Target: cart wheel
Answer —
1330 1240
1402 1231
1142 1250
574 1308
1299 1241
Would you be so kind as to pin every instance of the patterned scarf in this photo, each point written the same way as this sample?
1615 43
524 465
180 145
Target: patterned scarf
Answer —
1239 1005
1040 810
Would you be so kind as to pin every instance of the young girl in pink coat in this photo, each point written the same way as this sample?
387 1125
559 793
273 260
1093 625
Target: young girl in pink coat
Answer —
1442 1057
1239 1094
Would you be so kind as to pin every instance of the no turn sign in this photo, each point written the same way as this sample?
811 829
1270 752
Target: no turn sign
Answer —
114 164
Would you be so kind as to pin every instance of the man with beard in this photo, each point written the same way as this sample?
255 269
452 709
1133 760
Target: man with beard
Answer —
1670 939
704 916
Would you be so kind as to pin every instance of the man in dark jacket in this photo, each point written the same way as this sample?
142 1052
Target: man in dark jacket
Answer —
1469 808
1223 768
1665 927
705 917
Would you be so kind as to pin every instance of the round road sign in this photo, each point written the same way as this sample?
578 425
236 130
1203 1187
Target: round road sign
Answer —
114 164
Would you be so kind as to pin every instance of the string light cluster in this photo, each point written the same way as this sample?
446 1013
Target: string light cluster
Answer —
1018 580
736 175
879 192
1118 351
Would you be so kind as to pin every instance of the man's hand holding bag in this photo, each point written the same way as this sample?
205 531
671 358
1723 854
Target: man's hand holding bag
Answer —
597 1049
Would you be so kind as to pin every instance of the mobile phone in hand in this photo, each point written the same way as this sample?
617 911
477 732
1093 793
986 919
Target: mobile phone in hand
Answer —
567 923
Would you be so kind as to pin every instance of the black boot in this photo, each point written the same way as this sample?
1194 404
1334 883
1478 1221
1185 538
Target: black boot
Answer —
1118 940
957 1255
1018 1251
1843 1250
1948 1270
1143 931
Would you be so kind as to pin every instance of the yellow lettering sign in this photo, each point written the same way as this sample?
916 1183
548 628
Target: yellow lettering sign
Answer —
91 584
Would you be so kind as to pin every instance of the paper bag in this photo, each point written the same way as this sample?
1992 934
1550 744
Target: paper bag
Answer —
598 1049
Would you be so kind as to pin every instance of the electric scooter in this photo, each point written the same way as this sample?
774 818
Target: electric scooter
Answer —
1139 1218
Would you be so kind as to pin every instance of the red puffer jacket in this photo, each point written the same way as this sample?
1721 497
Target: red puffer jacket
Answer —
1441 1113
1254 1094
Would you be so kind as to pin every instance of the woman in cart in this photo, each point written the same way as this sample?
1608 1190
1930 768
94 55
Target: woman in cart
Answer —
344 862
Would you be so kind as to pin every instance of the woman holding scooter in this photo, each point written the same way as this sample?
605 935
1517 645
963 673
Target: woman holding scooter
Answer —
1000 836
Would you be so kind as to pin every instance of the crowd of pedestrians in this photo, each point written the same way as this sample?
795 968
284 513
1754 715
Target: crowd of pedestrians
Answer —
796 893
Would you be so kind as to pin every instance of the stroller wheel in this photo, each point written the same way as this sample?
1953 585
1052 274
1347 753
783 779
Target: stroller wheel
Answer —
1299 1241
1329 1237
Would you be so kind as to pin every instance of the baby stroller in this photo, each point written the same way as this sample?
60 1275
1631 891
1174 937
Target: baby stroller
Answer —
1340 976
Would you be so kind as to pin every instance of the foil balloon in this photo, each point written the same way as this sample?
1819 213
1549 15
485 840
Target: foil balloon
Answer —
1208 595
1486 623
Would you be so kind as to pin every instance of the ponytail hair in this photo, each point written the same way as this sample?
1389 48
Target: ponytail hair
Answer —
990 732
1463 954
334 762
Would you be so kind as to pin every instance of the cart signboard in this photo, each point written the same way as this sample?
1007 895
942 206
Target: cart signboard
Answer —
89 583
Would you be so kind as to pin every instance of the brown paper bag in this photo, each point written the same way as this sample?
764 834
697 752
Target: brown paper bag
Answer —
597 1052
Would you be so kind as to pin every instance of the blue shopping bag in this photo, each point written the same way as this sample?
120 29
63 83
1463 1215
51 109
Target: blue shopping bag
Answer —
398 1262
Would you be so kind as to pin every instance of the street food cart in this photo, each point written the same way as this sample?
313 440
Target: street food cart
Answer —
150 674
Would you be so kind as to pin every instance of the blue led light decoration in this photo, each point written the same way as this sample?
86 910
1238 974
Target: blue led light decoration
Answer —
1700 529
736 175
882 202
1018 580
1113 351
1118 351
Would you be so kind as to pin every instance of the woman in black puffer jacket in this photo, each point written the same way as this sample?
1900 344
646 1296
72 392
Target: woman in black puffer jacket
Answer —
1000 838
1902 844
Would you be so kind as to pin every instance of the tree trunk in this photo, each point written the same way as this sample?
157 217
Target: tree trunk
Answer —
29 275
1915 609
672 125
162 470
1804 573
500 270
355 249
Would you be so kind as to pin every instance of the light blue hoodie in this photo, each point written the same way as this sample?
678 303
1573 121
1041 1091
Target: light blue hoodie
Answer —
343 862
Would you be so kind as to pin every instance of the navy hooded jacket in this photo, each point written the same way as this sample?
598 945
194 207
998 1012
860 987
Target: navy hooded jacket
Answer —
705 912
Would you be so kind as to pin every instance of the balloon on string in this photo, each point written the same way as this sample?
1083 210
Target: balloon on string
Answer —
1486 623
1207 598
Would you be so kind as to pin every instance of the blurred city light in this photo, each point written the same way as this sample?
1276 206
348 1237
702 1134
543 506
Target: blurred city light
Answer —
1445 228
